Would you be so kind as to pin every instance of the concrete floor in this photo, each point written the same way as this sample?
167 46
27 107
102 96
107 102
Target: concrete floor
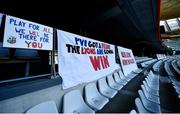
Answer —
123 102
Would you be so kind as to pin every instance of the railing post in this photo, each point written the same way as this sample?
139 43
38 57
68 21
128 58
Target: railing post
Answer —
53 70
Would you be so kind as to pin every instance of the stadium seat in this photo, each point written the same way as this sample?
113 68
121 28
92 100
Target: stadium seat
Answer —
4 52
122 77
178 92
167 69
142 59
143 65
150 106
150 90
153 78
174 81
133 112
149 96
178 63
175 67
131 75
152 85
156 66
104 89
176 85
45 107
118 79
26 53
93 98
126 79
112 84
140 107
73 103
137 71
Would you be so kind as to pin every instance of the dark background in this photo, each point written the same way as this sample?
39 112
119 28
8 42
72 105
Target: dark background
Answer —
129 23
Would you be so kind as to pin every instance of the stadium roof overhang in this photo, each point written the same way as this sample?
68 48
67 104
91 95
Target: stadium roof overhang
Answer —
170 9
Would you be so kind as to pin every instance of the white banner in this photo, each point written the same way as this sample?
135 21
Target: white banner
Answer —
83 60
127 59
21 33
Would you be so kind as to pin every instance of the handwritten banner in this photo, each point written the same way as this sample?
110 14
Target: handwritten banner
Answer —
83 60
127 59
21 33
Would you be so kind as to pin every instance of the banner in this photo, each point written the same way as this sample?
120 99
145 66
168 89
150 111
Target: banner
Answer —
25 34
83 60
127 59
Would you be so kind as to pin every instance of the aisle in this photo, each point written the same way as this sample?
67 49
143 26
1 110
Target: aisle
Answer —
168 98
123 102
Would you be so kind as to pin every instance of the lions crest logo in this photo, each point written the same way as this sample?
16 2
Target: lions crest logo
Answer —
11 40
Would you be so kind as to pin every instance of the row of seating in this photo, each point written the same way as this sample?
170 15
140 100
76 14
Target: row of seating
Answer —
29 61
174 77
167 68
147 63
176 85
96 95
148 100
141 59
19 53
178 63
175 67
156 66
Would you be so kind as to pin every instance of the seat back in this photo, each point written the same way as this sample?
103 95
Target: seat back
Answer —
144 90
157 65
178 63
93 98
110 80
91 91
4 52
121 75
150 106
133 112
150 90
102 84
45 107
137 71
167 69
150 96
26 54
139 106
105 89
150 72
175 67
116 77
151 85
72 101
146 85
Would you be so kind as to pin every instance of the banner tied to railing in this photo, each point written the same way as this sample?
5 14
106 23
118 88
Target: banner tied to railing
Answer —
83 60
20 33
127 59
